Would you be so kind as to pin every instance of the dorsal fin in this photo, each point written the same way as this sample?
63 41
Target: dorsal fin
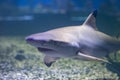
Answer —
91 20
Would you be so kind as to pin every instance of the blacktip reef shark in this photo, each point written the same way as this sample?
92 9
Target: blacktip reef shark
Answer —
84 42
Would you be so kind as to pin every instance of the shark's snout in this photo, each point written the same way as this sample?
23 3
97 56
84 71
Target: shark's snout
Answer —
36 42
32 39
29 39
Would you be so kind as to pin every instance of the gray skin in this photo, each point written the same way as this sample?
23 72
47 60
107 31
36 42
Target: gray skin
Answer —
83 42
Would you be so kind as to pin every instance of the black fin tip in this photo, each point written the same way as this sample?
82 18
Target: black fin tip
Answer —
95 13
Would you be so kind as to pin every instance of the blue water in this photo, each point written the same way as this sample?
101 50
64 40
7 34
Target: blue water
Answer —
42 22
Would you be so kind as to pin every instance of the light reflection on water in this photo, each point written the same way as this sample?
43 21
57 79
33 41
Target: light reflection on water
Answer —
17 18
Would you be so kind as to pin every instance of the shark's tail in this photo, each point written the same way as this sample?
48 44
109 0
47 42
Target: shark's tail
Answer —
118 45
117 48
115 45
118 37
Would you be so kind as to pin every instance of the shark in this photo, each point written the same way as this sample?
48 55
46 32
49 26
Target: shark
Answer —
83 42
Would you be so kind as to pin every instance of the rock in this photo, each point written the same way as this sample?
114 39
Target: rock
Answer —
20 57
20 51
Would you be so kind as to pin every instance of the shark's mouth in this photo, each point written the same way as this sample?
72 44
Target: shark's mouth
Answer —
44 49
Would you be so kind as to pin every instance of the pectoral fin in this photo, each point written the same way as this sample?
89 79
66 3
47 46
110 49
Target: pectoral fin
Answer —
48 60
89 57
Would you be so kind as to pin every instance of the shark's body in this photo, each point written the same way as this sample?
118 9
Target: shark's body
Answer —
83 42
